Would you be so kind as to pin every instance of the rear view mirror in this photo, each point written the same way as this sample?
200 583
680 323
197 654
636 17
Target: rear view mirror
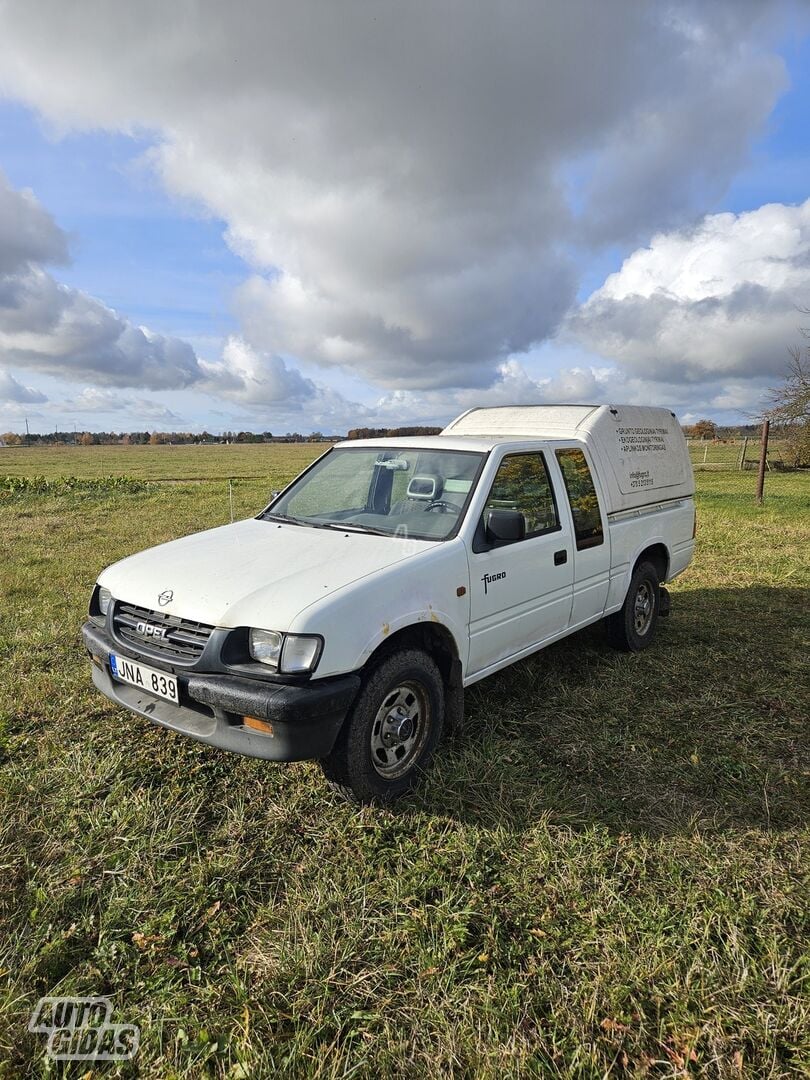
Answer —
395 464
505 526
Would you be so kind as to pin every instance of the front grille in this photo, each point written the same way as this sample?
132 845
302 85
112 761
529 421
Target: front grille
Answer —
184 641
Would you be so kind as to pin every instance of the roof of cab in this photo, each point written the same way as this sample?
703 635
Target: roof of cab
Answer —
478 443
526 421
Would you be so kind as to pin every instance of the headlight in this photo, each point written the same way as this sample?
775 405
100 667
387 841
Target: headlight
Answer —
99 605
265 646
289 654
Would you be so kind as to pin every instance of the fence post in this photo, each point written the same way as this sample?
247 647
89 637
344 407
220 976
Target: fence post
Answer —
742 452
705 453
763 458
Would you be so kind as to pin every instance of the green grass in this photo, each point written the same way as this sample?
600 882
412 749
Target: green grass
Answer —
606 874
275 461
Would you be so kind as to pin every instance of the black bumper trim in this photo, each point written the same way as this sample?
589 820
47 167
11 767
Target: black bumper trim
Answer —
305 718
275 701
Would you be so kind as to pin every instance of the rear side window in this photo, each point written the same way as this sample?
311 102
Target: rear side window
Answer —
582 497
521 483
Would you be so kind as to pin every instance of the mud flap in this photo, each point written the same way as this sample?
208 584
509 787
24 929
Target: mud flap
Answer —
454 700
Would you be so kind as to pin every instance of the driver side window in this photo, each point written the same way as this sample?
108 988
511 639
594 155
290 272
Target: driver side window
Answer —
521 483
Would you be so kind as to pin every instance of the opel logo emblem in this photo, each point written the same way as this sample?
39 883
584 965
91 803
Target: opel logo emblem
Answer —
165 597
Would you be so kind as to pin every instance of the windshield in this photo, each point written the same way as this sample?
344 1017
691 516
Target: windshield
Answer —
416 493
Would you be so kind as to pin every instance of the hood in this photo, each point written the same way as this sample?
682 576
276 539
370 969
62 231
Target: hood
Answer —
252 573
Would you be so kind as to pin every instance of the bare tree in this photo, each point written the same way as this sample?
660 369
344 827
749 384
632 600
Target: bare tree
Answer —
789 404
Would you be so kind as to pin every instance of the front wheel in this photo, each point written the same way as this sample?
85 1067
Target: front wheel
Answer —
633 627
390 734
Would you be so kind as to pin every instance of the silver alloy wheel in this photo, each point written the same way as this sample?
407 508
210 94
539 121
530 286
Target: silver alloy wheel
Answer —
643 608
400 729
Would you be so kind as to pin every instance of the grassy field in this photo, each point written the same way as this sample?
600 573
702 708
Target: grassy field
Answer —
276 462
606 874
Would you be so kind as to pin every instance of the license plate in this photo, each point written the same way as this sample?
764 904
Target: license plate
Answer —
154 682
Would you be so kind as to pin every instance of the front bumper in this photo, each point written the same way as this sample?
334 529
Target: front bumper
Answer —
305 718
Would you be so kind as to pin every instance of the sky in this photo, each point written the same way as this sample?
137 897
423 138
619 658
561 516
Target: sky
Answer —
308 217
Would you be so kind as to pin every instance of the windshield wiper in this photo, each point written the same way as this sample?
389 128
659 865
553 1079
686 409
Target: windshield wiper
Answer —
349 526
342 527
283 517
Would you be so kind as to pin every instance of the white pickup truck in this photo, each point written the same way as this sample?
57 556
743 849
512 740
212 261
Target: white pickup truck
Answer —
344 621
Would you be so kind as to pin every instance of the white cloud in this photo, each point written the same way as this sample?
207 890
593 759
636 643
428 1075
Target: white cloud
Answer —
28 233
94 399
719 300
14 392
638 182
56 330
249 377
402 184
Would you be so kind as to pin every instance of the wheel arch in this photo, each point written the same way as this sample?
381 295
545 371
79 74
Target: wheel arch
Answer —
433 638
658 555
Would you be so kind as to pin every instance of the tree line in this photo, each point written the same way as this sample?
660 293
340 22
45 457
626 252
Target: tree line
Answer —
390 433
181 438
703 429
156 438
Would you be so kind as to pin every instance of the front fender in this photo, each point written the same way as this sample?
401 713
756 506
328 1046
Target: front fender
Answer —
355 621
417 617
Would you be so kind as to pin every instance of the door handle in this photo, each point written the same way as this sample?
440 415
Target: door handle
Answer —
560 557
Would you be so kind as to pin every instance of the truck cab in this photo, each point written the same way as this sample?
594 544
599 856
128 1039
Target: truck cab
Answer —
344 621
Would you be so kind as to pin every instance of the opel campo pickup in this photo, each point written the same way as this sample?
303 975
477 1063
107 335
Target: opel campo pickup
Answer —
345 620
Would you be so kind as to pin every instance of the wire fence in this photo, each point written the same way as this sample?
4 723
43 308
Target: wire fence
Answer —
738 466
741 455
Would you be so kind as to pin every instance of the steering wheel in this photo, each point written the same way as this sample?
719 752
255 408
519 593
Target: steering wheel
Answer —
442 506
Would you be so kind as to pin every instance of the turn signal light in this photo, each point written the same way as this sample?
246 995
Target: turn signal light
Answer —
258 725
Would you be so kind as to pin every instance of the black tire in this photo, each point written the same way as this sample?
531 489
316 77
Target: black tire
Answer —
633 627
371 761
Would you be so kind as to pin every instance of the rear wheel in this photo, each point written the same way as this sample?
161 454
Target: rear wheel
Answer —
633 627
392 730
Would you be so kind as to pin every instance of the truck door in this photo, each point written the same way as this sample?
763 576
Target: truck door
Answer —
521 592
591 537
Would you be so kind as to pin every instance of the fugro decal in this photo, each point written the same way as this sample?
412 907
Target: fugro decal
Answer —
489 578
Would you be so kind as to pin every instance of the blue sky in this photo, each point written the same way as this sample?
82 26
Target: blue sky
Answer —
162 260
146 216
779 167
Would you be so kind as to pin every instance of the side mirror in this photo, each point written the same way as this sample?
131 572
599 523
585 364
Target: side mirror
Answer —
505 526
